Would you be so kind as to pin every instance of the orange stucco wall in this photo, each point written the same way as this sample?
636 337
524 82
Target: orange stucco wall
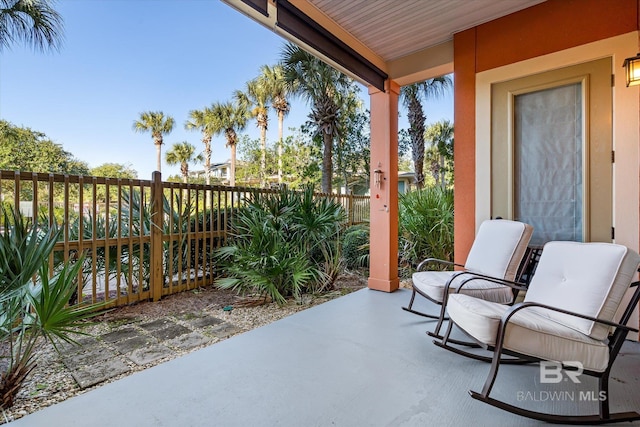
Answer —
383 262
549 27
552 26
464 147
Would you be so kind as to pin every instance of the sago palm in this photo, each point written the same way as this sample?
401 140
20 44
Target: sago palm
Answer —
183 153
33 22
33 304
319 85
229 119
159 125
412 96
255 99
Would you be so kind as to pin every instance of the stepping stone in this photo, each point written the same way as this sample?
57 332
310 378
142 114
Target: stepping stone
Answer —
172 331
189 341
143 356
92 356
120 335
89 375
224 330
83 342
204 321
156 325
127 346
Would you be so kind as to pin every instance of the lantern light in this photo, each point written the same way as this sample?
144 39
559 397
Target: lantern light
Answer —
632 70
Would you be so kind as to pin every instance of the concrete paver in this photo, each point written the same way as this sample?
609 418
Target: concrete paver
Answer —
145 355
99 358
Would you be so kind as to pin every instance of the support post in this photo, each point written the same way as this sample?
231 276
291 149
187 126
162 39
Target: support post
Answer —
383 249
156 278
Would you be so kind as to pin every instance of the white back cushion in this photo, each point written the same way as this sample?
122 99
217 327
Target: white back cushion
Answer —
585 278
498 248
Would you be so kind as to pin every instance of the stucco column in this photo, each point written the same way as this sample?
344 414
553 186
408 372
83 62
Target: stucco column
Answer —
383 257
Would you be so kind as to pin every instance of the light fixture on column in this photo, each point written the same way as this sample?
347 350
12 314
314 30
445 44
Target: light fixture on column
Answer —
632 70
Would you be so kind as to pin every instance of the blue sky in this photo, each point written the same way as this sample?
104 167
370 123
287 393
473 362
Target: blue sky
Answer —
122 57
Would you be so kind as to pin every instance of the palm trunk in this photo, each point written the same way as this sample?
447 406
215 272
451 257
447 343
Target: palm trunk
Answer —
207 159
327 162
159 157
416 133
232 167
207 168
280 134
263 157
441 170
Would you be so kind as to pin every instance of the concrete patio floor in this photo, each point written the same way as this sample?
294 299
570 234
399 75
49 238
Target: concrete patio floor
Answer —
358 360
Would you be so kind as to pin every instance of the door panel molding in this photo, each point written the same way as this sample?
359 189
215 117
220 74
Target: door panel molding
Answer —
595 81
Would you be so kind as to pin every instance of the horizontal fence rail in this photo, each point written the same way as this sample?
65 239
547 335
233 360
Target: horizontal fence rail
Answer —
137 239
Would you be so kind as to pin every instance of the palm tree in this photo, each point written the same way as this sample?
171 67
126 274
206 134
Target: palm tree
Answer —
229 119
159 125
273 79
440 138
411 96
319 85
205 121
182 153
34 22
255 99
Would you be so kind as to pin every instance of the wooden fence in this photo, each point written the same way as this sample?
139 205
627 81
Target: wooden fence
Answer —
139 239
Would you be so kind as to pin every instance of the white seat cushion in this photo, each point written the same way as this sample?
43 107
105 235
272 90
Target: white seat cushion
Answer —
498 248
432 284
528 333
585 278
497 252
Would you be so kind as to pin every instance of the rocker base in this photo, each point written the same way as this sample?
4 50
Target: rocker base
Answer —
557 419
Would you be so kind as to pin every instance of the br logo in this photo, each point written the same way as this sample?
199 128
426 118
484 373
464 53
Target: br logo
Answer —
552 372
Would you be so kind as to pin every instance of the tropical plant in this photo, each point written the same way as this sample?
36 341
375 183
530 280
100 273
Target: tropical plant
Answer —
352 148
412 96
33 22
205 121
355 246
284 244
273 79
320 85
183 153
425 226
229 119
255 99
439 136
159 125
33 304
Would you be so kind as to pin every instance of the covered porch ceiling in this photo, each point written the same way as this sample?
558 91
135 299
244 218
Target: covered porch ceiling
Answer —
372 40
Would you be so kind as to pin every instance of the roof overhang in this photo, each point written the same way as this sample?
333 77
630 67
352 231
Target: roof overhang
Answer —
407 41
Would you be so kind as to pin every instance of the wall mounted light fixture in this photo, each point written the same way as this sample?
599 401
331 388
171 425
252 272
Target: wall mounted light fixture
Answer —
632 70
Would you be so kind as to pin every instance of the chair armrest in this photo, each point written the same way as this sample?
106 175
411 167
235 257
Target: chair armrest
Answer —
517 307
477 276
428 261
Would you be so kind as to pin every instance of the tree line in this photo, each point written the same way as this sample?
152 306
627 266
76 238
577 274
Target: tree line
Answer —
331 147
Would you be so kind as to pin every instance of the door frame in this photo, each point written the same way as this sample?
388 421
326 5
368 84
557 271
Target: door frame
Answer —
626 131
594 78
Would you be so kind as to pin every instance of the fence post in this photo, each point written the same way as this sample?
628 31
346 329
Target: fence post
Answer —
351 208
156 277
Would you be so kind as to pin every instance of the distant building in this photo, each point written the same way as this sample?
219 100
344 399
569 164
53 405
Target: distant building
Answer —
219 171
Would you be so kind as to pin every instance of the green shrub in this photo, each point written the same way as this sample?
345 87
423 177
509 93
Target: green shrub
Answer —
355 247
33 305
284 244
425 226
